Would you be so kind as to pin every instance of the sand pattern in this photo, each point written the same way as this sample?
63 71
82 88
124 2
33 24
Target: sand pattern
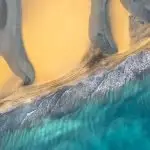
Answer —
131 68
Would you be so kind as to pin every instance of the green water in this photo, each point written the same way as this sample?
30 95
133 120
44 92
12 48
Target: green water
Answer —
124 125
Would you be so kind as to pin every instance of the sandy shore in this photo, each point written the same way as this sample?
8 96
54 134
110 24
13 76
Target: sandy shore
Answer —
56 37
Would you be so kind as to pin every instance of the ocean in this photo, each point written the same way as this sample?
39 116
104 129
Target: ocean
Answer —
121 125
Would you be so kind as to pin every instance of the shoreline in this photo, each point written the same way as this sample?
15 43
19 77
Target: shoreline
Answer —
58 104
30 94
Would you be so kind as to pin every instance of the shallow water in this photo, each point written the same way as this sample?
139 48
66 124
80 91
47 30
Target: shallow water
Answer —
123 125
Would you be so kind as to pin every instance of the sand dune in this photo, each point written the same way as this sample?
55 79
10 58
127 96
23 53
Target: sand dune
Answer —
56 37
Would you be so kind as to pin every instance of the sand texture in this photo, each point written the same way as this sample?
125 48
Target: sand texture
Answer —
56 37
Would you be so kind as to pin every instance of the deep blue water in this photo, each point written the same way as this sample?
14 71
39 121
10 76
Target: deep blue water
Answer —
123 125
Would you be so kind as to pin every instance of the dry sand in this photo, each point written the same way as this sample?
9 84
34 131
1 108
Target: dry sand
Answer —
56 36
120 25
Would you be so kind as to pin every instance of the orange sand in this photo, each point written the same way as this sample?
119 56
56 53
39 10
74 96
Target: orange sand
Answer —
56 36
120 25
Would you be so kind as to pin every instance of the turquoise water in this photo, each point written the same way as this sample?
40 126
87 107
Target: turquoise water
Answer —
123 125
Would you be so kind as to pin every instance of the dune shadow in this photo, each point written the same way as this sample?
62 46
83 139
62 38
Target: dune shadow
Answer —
100 33
102 43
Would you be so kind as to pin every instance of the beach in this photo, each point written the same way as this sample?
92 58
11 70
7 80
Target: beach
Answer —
56 38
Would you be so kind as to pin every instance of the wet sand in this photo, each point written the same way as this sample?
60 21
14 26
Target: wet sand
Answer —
56 36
